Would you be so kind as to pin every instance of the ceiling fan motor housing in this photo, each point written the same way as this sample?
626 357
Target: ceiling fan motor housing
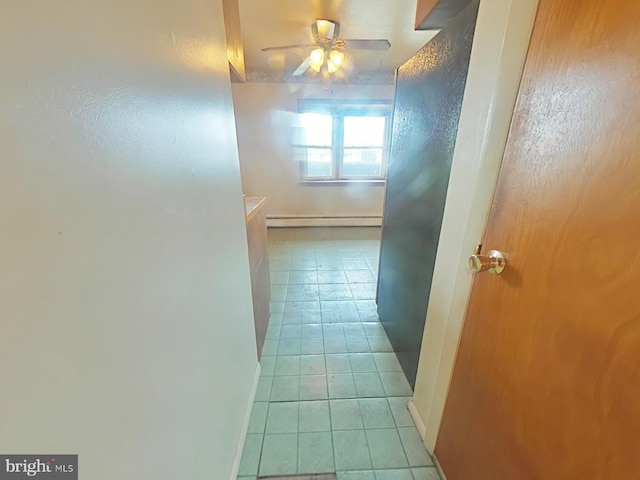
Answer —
325 32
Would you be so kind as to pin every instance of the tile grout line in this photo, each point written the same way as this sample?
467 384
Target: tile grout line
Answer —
362 254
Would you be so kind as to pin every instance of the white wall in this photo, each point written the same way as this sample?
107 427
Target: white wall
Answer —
264 114
126 321
497 59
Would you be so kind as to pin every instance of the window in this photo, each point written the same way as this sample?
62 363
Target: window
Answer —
343 141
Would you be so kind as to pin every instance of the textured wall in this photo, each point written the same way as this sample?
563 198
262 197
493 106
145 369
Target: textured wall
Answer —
429 94
127 332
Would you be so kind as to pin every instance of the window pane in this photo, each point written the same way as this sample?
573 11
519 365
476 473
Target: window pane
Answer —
316 129
364 131
319 163
362 162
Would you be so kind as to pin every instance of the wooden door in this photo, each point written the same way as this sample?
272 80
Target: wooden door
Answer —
547 379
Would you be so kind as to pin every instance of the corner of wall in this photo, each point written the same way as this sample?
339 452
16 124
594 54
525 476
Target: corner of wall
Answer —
417 419
245 426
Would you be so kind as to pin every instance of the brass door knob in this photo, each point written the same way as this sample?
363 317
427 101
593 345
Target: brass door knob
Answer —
493 261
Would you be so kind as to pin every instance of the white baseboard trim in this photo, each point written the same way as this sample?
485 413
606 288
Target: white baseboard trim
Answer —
245 426
439 467
422 430
318 221
415 415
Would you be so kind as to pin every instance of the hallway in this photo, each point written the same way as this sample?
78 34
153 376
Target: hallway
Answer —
332 396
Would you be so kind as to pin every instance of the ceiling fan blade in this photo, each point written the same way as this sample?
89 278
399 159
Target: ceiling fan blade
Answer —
304 66
382 44
286 47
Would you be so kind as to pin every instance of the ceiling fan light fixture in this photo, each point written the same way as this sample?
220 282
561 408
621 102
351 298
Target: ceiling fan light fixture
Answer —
336 57
316 59
332 67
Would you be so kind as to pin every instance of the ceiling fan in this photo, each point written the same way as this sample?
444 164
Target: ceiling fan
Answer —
328 53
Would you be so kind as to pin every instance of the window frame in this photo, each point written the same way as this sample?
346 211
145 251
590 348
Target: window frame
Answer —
339 109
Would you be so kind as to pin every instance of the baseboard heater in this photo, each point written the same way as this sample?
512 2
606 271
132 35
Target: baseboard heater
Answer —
323 221
310 476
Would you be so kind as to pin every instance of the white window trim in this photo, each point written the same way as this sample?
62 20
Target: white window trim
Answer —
338 109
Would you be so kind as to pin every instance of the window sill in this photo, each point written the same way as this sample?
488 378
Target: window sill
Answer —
341 183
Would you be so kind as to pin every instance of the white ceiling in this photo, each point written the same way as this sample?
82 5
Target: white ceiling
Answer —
268 23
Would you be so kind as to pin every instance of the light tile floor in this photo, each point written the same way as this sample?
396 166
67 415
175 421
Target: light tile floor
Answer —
332 396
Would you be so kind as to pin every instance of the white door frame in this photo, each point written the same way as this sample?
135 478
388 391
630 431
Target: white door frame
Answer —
499 50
